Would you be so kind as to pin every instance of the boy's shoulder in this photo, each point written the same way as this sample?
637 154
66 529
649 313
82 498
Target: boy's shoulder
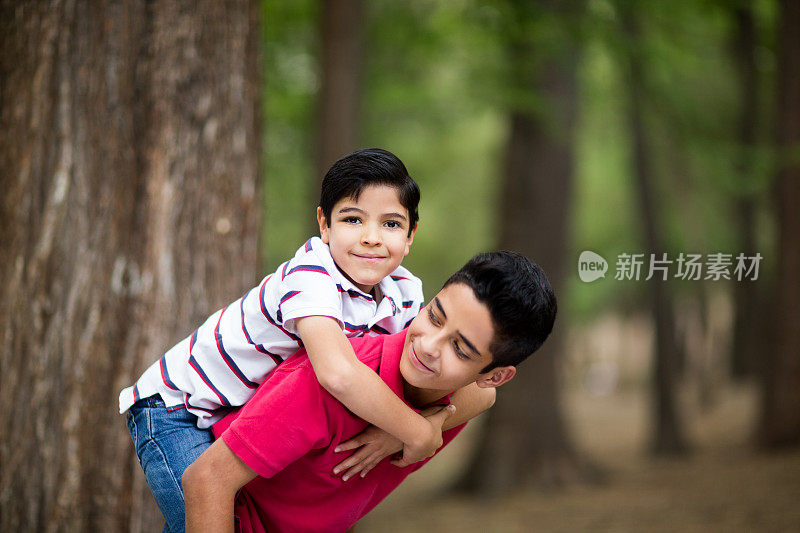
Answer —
315 248
368 350
404 276
408 285
312 256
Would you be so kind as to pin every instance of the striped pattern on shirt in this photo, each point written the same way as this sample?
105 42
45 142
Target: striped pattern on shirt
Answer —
225 359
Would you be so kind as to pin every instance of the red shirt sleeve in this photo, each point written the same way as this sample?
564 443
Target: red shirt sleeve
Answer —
285 419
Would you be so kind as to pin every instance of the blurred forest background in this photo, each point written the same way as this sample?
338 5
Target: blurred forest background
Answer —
160 158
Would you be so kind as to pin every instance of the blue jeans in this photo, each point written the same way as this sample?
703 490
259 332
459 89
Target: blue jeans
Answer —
166 442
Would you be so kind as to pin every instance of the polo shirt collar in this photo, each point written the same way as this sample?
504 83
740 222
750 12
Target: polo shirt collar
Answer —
333 270
392 300
392 297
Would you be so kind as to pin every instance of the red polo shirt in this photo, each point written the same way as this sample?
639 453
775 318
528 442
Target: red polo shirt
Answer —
287 432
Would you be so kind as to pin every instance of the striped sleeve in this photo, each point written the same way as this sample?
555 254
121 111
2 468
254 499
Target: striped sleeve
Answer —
307 289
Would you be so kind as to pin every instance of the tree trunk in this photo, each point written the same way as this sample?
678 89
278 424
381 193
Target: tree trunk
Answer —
668 435
340 92
525 441
129 151
780 422
747 322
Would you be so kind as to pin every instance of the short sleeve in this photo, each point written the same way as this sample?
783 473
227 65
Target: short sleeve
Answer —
307 289
285 419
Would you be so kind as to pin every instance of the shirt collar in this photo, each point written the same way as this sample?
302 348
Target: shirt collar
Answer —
330 265
392 300
388 286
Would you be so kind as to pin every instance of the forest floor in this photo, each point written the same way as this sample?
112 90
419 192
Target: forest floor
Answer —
723 484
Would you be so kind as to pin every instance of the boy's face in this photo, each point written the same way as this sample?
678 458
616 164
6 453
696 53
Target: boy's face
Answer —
447 344
368 237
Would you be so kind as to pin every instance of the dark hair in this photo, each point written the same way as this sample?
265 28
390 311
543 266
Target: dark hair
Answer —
363 168
520 300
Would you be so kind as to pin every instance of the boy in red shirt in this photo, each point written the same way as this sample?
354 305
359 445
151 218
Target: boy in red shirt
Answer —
282 445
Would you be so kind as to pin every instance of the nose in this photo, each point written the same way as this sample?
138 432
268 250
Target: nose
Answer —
431 343
370 235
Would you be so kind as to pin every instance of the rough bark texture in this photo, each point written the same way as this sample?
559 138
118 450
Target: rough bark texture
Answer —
129 155
340 92
526 441
668 435
781 401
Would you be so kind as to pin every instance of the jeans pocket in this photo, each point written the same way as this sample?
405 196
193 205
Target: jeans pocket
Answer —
131 426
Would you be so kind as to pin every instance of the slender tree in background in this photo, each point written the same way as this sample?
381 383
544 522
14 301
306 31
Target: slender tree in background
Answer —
129 152
525 441
780 422
342 57
747 304
668 435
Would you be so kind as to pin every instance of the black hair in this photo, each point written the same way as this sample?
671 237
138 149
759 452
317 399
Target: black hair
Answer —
520 300
363 168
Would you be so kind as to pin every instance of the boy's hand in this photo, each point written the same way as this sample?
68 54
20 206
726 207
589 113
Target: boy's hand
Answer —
432 442
374 443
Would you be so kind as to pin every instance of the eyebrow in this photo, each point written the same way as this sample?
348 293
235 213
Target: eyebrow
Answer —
439 306
357 210
350 210
469 344
460 335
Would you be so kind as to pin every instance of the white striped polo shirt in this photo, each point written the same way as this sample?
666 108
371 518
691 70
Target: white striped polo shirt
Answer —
224 360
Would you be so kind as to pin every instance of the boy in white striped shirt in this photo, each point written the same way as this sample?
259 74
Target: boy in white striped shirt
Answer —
347 282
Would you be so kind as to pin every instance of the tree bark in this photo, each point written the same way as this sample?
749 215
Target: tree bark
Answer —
129 151
525 442
342 68
780 417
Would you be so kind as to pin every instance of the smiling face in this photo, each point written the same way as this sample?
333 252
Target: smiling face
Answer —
447 346
368 237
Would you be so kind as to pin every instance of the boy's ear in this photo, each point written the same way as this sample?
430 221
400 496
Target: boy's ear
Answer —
324 229
495 378
410 239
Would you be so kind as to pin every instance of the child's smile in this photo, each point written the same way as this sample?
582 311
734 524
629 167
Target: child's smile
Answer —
368 237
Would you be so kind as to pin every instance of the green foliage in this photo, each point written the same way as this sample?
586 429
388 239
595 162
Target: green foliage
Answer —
439 85
692 120
424 102
291 80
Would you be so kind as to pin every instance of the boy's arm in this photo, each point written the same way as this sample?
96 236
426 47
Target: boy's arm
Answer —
209 487
361 390
470 401
375 444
